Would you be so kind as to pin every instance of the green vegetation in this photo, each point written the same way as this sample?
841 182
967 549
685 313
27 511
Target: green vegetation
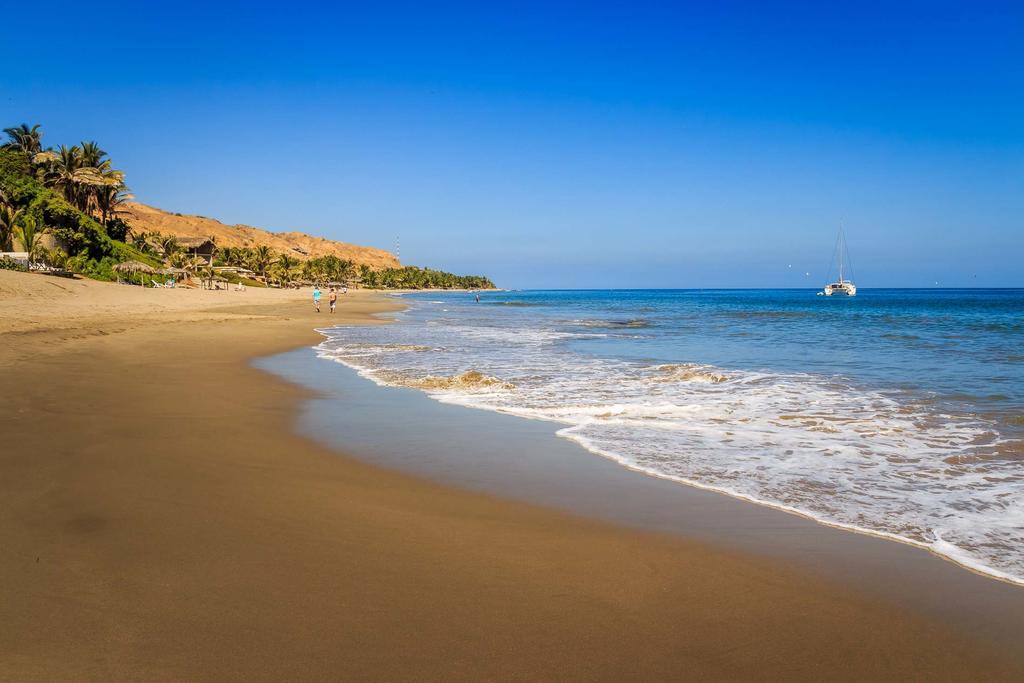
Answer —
29 233
411 277
76 195
72 194
9 218
284 269
7 263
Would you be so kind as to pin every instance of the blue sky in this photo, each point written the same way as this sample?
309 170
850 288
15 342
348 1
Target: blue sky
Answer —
564 145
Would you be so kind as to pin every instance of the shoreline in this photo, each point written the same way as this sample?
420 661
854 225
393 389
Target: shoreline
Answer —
985 572
163 520
951 557
527 461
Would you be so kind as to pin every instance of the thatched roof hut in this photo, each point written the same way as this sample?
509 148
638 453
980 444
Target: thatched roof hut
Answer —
133 267
198 247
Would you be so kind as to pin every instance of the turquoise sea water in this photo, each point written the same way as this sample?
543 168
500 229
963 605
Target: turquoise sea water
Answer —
897 412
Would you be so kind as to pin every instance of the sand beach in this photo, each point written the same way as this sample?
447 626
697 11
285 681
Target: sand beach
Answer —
162 518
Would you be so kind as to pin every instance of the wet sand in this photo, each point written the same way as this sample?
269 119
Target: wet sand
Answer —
525 460
160 518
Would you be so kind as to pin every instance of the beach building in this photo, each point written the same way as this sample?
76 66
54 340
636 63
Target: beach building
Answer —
20 257
198 247
236 270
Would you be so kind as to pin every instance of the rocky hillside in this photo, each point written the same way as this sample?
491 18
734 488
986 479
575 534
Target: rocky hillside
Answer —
145 218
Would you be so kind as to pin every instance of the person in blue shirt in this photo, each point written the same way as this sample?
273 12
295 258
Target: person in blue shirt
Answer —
316 298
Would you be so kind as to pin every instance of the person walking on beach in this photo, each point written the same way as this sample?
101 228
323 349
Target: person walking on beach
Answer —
316 298
333 299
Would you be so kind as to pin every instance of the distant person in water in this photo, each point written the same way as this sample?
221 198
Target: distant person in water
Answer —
478 297
332 298
316 298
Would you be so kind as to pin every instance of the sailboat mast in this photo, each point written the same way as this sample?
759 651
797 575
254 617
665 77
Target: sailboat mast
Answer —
841 245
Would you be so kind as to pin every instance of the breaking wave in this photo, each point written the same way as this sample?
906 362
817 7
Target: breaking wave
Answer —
469 381
821 446
688 372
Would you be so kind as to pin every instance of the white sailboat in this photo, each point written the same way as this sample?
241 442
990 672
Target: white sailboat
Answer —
842 286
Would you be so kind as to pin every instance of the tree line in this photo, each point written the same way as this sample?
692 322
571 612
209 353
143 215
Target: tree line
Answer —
75 193
285 269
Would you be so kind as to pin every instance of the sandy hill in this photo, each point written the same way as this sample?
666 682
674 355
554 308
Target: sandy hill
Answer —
300 245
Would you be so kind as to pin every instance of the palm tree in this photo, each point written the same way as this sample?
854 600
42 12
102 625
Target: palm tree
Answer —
240 256
190 264
140 240
91 154
8 222
206 274
285 265
55 258
109 200
29 233
25 139
102 185
62 171
169 245
178 259
286 261
366 276
345 270
194 265
313 270
261 259
88 181
72 171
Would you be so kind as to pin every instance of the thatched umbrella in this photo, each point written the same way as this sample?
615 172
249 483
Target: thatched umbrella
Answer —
132 267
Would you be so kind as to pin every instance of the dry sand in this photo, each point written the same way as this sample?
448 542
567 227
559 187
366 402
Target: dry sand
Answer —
159 519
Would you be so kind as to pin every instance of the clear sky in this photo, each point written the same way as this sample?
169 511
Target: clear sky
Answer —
563 145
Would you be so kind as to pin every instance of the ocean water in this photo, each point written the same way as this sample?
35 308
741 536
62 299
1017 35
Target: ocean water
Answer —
898 412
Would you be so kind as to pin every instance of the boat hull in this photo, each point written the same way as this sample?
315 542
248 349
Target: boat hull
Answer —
840 289
844 289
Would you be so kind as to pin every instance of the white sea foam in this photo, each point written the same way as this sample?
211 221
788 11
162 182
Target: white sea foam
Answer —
809 444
